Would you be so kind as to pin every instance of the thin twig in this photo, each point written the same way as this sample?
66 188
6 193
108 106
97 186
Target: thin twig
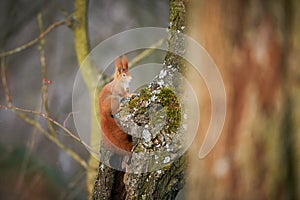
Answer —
38 126
14 108
44 103
20 111
146 52
52 138
36 40
68 116
44 74
8 97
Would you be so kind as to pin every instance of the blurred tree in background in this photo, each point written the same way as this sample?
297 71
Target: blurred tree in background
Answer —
255 44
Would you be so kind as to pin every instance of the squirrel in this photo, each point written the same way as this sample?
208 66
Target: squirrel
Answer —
109 103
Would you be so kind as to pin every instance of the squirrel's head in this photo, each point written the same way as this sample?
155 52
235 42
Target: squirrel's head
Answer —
122 74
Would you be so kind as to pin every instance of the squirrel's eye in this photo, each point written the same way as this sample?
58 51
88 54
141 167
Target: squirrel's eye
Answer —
123 75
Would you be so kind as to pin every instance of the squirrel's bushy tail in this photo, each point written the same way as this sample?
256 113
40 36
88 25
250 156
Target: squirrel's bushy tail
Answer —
116 137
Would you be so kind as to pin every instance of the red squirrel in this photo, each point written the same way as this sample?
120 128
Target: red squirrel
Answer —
109 103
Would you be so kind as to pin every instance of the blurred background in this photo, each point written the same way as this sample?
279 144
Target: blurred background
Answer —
256 46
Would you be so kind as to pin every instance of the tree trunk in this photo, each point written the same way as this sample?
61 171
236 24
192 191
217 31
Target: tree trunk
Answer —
254 44
144 179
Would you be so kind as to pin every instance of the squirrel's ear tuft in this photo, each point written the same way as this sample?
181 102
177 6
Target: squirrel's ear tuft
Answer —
125 62
118 63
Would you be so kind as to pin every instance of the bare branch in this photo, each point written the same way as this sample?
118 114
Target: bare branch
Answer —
44 74
52 138
38 126
35 124
36 40
8 97
146 52
14 108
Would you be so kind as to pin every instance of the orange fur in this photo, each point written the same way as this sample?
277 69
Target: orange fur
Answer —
109 103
